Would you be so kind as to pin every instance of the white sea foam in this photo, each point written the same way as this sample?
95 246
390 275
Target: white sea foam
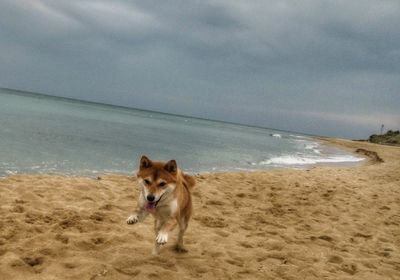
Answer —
300 137
310 146
303 160
276 135
313 147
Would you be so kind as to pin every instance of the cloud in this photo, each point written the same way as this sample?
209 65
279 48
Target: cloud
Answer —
115 17
34 20
267 63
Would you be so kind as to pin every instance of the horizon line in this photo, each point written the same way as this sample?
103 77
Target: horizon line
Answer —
26 92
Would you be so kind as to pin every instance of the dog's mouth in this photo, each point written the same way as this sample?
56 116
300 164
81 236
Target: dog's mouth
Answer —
152 205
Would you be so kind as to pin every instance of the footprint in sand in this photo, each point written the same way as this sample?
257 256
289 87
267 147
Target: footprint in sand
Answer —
246 245
97 216
222 233
62 238
324 237
71 265
107 207
215 202
335 259
98 240
235 262
213 222
17 209
363 235
33 261
70 223
349 268
20 201
33 218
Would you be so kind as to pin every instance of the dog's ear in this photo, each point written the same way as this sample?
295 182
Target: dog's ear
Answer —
171 166
145 162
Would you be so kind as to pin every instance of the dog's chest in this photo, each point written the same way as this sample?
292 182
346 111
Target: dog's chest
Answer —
167 210
174 206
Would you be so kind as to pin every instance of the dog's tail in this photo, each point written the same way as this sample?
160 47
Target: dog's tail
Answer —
189 181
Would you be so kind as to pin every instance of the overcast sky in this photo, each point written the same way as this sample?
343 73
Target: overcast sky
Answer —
320 67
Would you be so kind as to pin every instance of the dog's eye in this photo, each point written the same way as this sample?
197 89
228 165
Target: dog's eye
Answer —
147 182
162 184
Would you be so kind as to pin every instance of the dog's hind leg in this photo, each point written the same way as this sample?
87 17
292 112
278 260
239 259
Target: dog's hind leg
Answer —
157 246
183 224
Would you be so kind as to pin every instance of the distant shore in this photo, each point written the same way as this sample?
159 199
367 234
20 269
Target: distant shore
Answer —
391 138
322 222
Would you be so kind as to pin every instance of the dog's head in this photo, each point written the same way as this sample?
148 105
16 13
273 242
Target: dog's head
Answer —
157 179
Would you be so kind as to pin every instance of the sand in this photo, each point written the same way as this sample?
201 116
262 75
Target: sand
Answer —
320 223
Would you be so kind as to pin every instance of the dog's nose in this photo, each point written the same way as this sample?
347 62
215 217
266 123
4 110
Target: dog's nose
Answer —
150 197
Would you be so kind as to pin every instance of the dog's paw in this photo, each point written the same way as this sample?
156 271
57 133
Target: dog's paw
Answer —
180 249
162 237
133 219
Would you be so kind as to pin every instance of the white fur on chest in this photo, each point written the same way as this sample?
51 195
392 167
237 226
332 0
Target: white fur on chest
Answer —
174 206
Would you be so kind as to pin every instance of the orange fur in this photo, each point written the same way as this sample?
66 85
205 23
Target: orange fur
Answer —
165 193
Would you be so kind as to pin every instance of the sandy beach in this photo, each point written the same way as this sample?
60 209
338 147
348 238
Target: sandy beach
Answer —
319 223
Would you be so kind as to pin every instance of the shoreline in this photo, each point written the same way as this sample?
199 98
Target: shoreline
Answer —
324 222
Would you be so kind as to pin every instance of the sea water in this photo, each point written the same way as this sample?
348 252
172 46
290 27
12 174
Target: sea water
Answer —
50 135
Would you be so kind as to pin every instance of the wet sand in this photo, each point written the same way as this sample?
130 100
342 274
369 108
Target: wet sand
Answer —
318 223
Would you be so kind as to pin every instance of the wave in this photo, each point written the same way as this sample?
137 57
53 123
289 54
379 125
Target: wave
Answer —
300 137
313 147
276 135
303 160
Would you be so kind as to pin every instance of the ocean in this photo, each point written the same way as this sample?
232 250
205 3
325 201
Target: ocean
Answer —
50 135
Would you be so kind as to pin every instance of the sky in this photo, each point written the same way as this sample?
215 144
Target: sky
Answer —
320 67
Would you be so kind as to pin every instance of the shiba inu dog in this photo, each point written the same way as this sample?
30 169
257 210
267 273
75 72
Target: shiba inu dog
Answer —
164 193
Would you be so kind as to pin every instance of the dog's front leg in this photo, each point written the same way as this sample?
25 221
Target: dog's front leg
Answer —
138 216
162 230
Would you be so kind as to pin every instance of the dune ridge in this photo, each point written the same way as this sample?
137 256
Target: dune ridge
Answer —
319 223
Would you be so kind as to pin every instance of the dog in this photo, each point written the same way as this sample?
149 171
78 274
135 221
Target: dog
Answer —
165 192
